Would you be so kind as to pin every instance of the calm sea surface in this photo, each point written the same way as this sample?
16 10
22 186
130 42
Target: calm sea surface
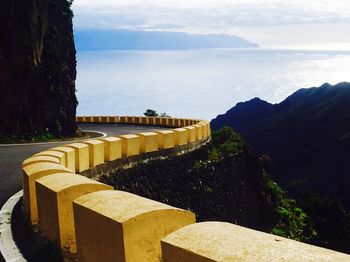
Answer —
199 83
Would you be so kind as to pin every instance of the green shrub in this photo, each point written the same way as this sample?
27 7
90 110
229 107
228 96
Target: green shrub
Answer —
225 142
293 222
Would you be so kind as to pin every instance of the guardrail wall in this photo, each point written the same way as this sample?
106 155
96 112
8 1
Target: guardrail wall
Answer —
101 224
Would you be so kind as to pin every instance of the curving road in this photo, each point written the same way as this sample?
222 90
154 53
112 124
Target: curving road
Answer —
12 156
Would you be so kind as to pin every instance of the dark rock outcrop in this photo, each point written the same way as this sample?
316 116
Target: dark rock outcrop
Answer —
38 68
232 189
306 135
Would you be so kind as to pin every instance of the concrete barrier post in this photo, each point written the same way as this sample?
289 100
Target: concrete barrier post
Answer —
38 159
59 155
182 122
55 195
30 174
70 156
130 119
96 152
218 241
180 136
130 145
144 120
204 128
112 148
124 226
81 152
123 119
171 122
165 121
97 119
148 142
166 139
114 119
138 120
191 133
199 131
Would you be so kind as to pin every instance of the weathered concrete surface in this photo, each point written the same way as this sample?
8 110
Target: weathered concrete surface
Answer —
30 174
224 242
125 226
55 195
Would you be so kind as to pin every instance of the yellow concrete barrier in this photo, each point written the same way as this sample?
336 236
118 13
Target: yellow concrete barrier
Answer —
207 126
30 174
130 145
205 129
70 156
171 122
218 241
130 119
158 121
180 136
166 139
55 194
59 155
89 119
148 142
96 152
138 120
144 120
81 152
191 133
123 119
97 119
79 119
119 226
199 131
114 119
104 119
37 159
176 122
112 148
184 122
151 120
165 121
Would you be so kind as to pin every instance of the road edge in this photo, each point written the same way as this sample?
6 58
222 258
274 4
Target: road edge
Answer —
8 247
56 142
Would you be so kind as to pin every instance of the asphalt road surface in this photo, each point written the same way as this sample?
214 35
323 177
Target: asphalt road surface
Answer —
12 156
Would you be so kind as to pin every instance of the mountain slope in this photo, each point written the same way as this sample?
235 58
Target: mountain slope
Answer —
147 40
307 137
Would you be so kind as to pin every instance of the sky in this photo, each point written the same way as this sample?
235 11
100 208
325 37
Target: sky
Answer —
314 24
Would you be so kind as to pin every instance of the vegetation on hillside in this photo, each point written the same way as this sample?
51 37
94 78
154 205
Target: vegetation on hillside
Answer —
292 221
222 181
307 139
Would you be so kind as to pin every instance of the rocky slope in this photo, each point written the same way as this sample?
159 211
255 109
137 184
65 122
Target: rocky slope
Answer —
222 181
307 137
38 68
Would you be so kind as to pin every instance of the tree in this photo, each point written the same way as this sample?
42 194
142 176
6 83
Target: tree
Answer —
150 112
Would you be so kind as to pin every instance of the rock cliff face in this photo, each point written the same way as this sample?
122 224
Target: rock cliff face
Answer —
38 68
232 189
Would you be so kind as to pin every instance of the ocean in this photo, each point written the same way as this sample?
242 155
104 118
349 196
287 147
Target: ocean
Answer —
199 83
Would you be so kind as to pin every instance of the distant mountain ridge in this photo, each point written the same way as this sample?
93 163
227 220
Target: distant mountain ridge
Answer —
122 39
307 136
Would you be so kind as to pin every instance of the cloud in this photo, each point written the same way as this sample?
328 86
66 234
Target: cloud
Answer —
179 14
266 22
